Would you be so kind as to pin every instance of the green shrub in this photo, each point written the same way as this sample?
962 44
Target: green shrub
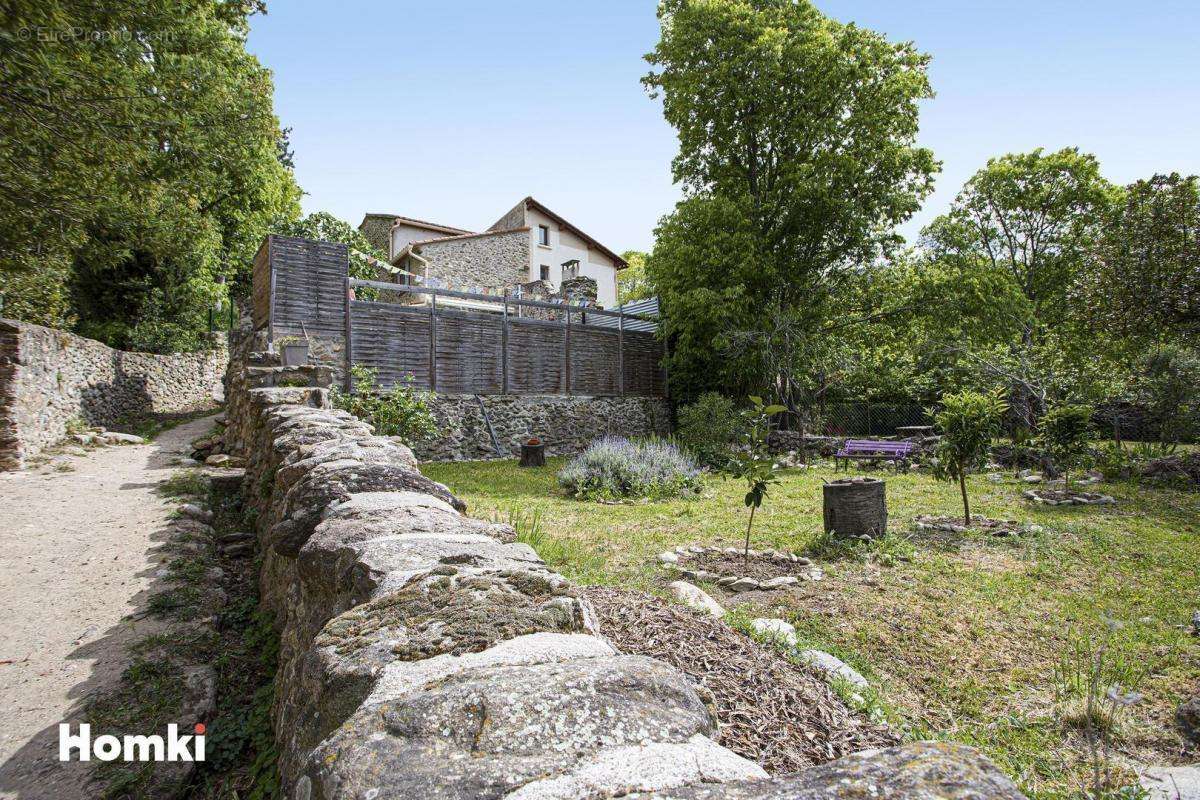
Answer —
1063 432
710 427
400 411
614 468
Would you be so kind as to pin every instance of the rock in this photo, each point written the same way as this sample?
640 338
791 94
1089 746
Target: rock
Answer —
915 771
1187 719
494 731
1034 478
123 438
726 581
696 598
196 512
780 582
775 629
1171 783
744 585
218 460
235 538
803 561
1196 623
833 667
241 550
668 558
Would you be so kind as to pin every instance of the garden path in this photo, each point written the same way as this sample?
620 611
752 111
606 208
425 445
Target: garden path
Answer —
80 544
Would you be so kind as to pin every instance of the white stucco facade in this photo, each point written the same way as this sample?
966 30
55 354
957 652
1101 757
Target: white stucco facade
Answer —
565 246
564 242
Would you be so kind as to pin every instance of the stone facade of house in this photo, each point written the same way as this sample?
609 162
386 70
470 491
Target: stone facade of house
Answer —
486 260
50 377
377 229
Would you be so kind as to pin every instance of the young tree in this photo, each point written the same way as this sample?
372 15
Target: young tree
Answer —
1063 434
967 422
753 464
797 155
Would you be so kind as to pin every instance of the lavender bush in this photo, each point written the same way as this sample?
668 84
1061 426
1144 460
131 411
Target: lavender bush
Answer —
614 468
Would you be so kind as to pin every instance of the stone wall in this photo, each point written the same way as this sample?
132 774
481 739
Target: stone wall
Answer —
566 423
486 260
424 653
377 229
49 377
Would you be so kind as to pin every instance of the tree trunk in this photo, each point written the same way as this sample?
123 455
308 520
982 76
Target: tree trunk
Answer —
746 550
962 486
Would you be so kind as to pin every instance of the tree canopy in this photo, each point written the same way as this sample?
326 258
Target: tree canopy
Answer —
797 157
142 165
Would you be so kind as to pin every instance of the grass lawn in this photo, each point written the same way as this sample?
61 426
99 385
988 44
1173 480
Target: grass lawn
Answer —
987 641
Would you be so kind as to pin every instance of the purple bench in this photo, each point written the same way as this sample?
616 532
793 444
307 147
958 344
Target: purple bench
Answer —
873 450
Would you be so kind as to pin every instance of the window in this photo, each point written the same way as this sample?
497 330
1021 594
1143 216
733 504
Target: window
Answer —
545 271
544 235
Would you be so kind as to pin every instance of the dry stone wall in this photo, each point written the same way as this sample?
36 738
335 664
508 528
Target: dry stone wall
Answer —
428 654
566 423
49 377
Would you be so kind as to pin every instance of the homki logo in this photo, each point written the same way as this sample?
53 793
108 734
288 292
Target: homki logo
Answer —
131 748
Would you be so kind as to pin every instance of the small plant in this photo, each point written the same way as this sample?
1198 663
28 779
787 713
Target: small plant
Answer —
753 464
967 422
401 411
1063 433
614 468
1091 681
710 428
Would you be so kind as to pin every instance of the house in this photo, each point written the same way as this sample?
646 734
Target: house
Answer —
528 243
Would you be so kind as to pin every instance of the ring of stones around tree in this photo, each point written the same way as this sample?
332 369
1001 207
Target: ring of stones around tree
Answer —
764 570
1062 497
993 527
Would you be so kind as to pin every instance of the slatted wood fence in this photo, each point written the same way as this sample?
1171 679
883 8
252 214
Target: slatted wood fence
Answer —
300 281
452 342
502 348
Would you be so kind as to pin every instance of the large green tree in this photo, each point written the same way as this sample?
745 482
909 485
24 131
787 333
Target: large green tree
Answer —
1031 218
797 158
1143 279
140 164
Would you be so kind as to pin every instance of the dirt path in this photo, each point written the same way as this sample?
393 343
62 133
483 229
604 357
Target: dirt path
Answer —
78 551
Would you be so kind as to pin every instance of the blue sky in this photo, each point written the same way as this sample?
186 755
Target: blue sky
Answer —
453 111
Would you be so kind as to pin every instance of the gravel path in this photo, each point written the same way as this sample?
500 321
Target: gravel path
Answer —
78 553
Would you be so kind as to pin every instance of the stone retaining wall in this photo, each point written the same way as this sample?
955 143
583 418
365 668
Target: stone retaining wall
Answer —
428 654
49 377
567 423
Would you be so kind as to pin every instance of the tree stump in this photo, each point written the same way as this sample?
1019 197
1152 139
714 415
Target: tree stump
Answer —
855 507
533 455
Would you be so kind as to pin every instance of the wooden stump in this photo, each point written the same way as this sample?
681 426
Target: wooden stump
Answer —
855 507
533 455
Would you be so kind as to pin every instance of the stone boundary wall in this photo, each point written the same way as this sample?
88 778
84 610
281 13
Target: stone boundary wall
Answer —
428 654
49 377
567 423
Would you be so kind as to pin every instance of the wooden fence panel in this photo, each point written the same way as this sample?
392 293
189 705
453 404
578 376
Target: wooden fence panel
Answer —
394 340
391 339
308 281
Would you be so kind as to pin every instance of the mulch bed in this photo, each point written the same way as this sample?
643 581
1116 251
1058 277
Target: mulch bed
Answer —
771 710
760 567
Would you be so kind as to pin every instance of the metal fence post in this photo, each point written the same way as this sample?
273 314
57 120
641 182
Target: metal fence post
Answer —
621 355
347 381
504 350
433 342
567 351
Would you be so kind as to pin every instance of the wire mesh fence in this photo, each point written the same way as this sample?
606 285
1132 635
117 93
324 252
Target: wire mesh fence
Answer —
866 419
